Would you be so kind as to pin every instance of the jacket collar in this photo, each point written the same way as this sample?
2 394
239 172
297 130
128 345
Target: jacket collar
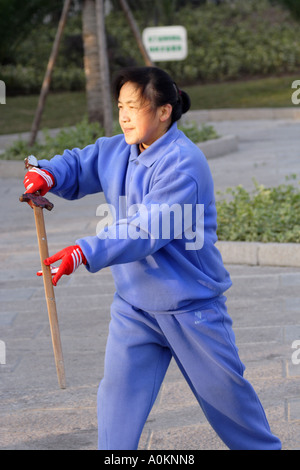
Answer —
153 153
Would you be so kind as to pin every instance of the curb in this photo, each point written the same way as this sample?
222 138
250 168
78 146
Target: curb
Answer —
260 254
219 147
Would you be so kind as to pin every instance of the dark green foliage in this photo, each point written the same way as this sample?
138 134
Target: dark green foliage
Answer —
265 215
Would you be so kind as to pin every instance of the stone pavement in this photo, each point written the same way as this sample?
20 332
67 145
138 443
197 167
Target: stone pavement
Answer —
264 303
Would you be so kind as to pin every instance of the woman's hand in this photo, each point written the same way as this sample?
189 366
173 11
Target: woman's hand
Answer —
72 257
37 179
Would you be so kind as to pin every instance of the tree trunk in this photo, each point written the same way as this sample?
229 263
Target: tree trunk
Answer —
91 63
104 69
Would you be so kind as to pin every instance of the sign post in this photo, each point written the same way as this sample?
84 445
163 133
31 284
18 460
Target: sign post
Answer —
166 43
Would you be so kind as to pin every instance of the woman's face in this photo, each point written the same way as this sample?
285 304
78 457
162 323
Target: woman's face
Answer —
139 122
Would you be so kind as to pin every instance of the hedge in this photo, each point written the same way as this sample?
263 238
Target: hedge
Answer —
225 42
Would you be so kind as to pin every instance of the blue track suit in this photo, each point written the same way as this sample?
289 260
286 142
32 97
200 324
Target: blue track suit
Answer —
170 283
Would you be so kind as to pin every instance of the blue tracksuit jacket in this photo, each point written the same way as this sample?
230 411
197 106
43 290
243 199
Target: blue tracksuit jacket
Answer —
159 274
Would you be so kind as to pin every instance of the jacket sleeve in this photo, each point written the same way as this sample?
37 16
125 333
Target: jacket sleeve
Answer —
75 171
147 227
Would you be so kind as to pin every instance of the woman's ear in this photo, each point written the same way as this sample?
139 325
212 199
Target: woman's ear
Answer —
165 112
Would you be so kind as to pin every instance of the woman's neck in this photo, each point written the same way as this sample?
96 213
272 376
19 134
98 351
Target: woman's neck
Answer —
143 147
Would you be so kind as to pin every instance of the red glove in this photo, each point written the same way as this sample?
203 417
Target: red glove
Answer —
72 257
54 270
37 179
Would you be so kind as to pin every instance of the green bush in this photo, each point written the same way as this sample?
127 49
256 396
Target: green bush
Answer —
28 80
20 79
265 215
78 136
225 42
196 135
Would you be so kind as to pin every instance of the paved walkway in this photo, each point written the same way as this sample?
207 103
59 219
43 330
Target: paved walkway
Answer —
264 303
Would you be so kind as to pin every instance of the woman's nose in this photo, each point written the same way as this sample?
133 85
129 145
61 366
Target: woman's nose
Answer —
124 117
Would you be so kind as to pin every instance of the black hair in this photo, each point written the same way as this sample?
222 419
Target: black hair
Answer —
157 86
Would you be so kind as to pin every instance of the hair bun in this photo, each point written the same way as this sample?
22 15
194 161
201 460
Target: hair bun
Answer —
186 101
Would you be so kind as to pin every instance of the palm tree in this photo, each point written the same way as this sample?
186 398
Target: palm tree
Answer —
95 60
92 62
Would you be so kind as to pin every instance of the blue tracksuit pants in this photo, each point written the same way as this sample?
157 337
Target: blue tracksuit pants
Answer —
139 349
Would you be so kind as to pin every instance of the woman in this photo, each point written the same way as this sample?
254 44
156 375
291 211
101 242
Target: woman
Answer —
169 276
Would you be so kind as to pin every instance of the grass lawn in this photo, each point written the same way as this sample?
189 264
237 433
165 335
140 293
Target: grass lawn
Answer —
66 109
271 92
61 110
